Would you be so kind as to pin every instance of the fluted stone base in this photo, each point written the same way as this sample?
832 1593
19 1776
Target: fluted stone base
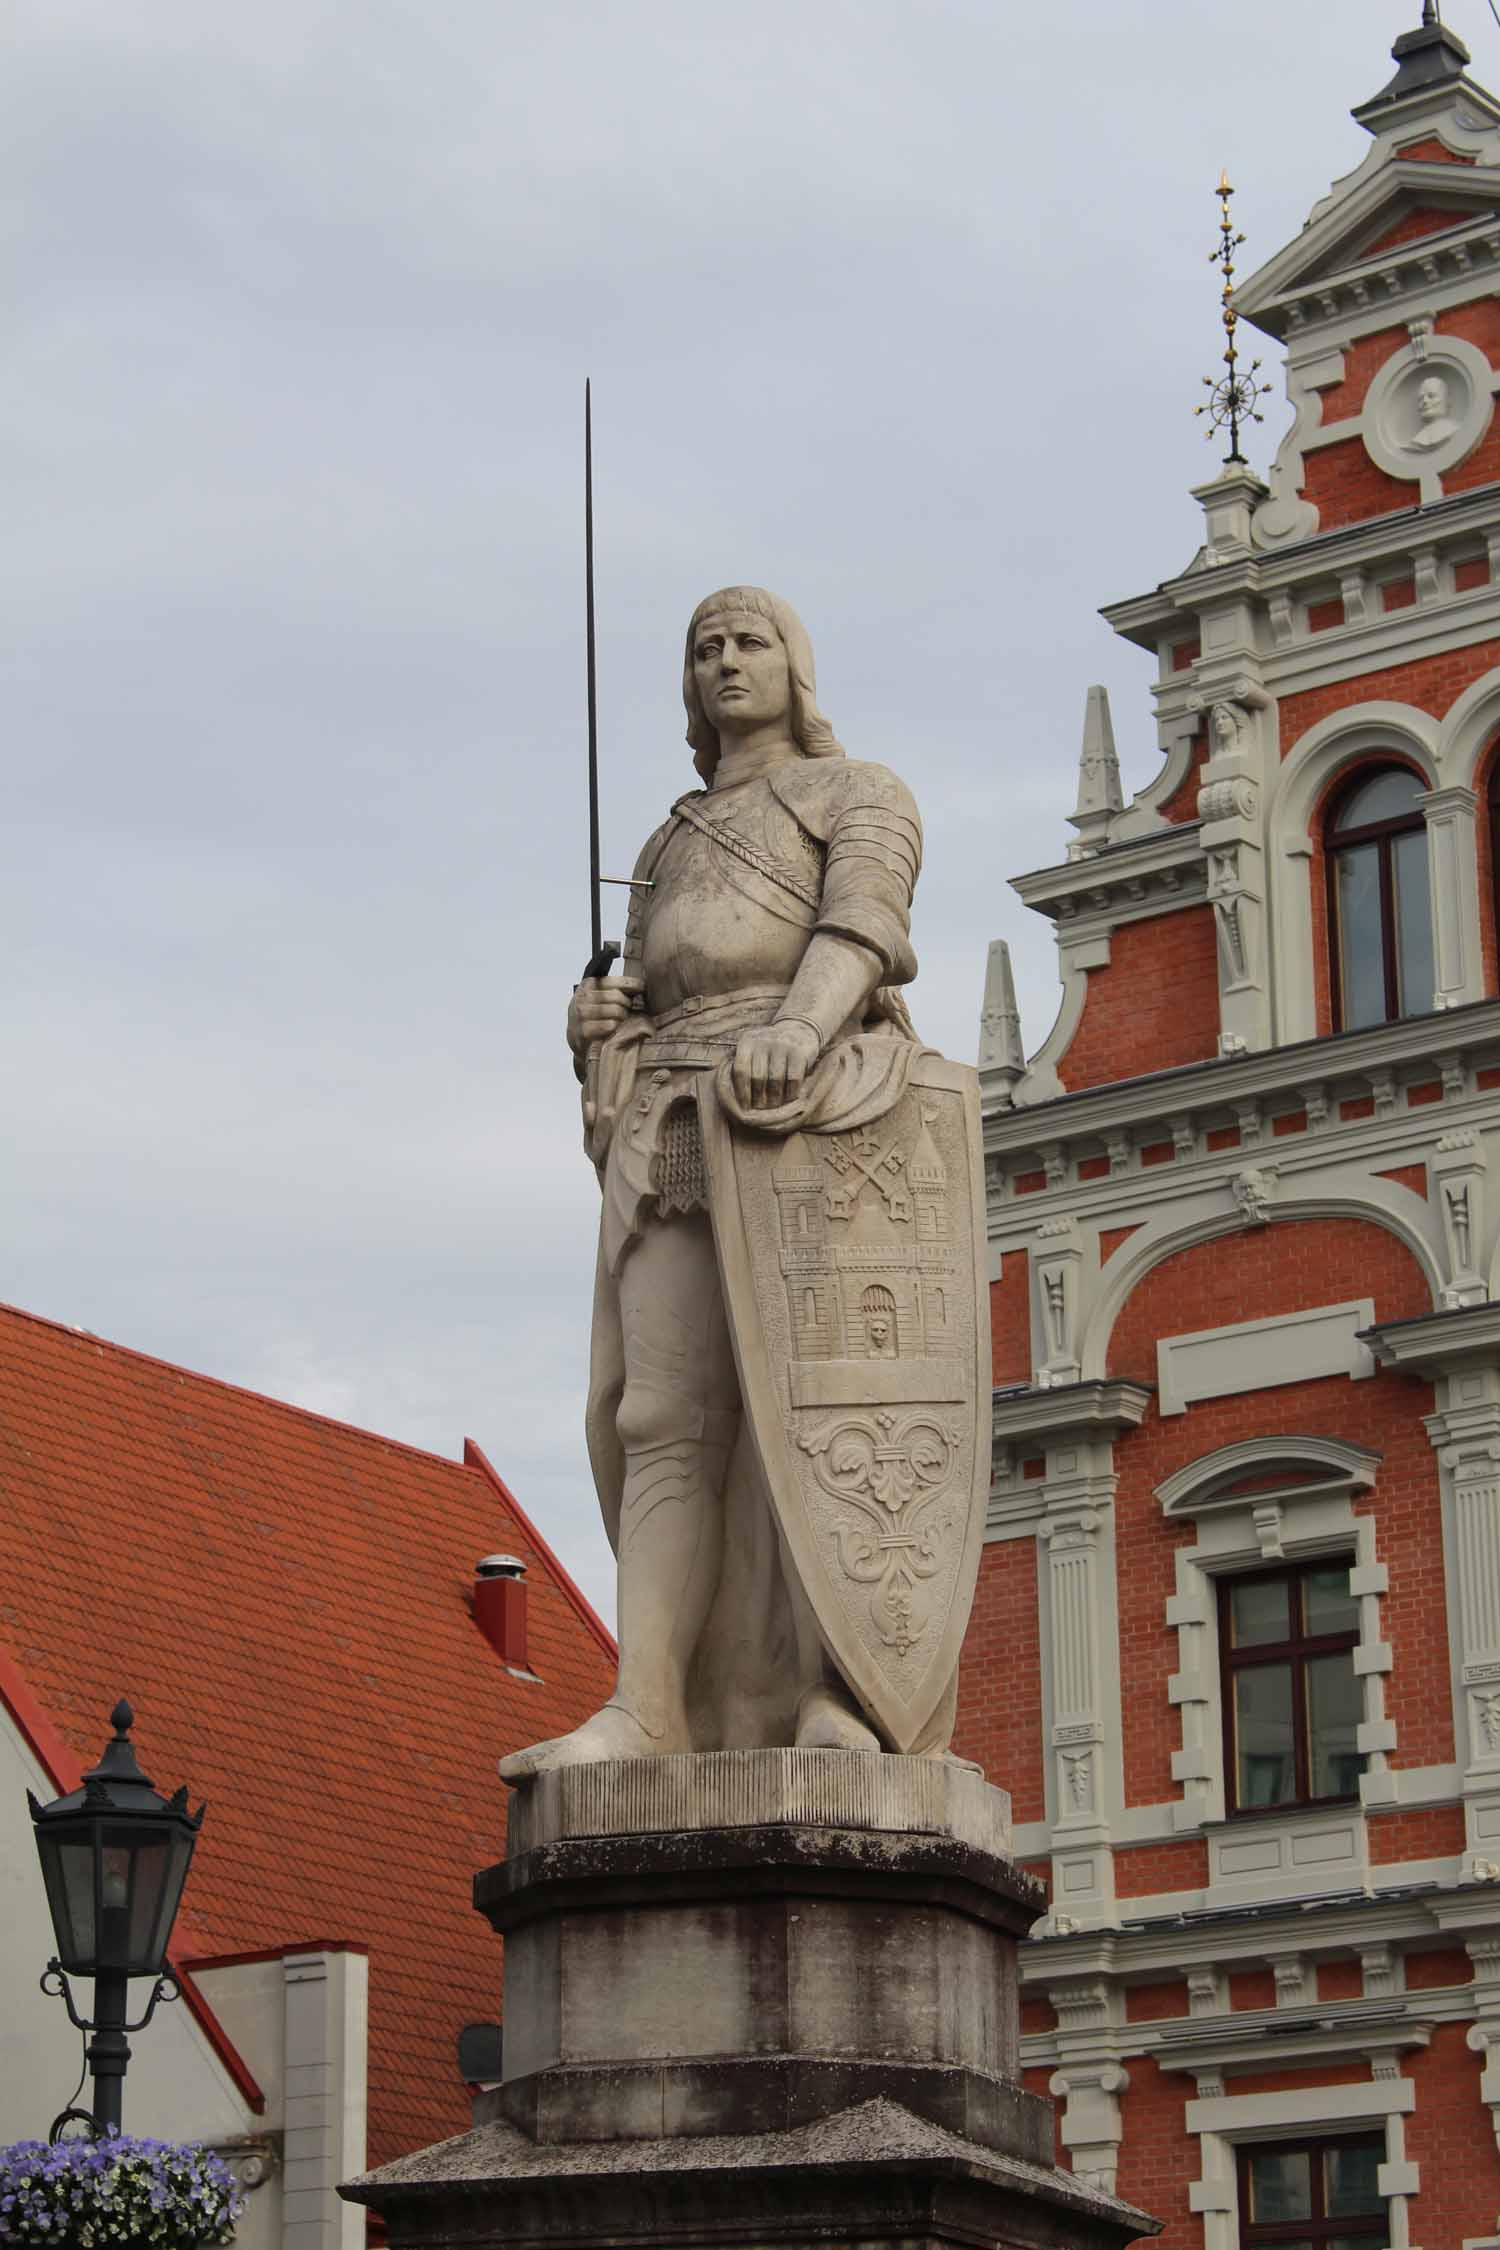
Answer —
756 1997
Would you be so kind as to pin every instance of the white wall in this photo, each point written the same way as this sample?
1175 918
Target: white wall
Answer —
299 2024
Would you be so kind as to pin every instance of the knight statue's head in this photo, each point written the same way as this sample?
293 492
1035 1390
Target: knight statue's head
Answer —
755 613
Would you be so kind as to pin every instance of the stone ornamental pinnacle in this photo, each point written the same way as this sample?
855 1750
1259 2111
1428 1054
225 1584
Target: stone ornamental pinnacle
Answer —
1232 396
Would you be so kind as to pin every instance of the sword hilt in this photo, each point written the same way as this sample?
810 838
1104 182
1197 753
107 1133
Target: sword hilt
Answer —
604 960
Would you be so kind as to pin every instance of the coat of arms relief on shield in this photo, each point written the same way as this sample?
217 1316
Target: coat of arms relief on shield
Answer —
861 1246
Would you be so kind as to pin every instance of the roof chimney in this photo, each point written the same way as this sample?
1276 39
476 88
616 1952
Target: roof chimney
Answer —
500 1607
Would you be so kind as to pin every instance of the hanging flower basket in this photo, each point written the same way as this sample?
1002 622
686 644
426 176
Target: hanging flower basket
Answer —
118 2193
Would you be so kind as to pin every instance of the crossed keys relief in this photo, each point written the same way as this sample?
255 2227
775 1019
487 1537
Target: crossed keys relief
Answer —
860 1161
894 1469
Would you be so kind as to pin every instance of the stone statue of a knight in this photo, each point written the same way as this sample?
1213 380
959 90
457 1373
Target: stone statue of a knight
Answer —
788 1416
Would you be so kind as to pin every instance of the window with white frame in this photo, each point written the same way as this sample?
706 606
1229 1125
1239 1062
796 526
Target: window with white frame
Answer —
1318 2194
1292 1700
1280 1680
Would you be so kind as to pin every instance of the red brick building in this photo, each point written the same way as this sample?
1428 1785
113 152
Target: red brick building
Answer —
1237 1644
293 1608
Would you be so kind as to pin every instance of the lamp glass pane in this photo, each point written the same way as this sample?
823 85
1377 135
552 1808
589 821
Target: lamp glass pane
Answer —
1264 1744
76 1867
180 1851
114 1900
151 1870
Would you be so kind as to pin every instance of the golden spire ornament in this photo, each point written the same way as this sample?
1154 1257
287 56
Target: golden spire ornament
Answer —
1232 396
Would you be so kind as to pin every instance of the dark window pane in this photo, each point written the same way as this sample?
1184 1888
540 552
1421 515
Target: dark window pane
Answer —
1327 1604
1349 2189
1258 1612
1370 2241
1335 1706
1263 1740
1280 2184
1413 923
1385 796
1361 959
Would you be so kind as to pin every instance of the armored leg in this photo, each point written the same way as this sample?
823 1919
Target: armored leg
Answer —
677 1421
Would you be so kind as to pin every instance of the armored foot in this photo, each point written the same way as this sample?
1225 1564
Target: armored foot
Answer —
611 1733
827 1720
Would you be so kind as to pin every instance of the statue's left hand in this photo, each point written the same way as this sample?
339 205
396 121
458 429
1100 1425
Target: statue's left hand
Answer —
769 1066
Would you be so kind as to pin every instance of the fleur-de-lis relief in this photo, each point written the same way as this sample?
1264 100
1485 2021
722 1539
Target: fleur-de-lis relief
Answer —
894 1470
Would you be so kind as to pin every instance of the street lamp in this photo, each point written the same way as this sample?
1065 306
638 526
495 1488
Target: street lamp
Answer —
114 1859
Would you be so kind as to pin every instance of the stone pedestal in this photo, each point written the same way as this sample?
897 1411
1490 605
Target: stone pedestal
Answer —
756 1997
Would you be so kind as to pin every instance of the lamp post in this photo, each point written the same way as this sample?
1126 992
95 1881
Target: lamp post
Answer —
114 1859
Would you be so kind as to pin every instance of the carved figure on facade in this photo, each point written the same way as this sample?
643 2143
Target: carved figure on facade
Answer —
1435 420
1254 1191
789 1402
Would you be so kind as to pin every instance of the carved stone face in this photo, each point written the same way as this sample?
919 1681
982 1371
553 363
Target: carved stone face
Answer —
1432 399
742 675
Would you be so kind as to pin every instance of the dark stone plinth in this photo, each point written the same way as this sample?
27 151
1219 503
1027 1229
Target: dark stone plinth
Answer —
756 1998
755 1979
867 2176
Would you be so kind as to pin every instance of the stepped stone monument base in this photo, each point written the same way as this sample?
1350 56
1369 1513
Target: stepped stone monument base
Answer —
756 1997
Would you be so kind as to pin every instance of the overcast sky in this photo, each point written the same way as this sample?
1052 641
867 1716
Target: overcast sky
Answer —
897 306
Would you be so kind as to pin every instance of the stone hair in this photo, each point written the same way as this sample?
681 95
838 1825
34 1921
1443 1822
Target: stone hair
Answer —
811 732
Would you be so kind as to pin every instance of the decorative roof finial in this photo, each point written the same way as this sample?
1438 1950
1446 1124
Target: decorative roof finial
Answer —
1001 1055
1100 795
1232 397
1429 57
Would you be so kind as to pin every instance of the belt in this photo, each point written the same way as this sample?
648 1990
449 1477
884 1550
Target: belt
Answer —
700 1030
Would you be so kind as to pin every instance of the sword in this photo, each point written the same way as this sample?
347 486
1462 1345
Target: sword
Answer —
605 952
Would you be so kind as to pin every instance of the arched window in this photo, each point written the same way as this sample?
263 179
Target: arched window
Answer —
1379 905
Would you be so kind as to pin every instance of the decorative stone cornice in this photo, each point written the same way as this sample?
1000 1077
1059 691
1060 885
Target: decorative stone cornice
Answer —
1464 518
1250 1092
1270 2039
1120 883
1093 1409
1437 1343
1182 1944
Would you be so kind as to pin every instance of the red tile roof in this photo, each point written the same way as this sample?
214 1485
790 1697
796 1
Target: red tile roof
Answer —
285 1601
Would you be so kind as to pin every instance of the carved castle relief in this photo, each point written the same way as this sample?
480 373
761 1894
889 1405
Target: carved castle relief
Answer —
867 1259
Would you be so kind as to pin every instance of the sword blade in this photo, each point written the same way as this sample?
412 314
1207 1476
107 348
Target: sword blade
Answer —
595 924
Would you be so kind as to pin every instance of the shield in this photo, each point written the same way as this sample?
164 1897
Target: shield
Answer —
854 1272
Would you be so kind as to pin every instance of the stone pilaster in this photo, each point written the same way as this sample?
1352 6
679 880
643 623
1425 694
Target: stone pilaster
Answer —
1458 964
1466 1433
